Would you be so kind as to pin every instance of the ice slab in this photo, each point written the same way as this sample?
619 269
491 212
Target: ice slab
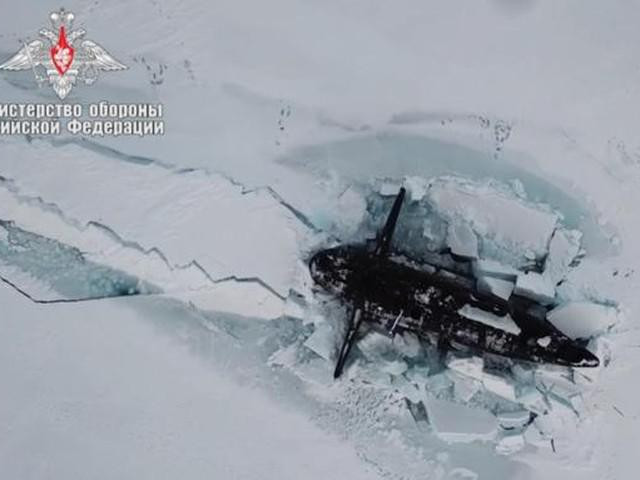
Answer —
499 386
557 382
389 188
514 419
379 348
322 341
459 423
523 373
294 308
438 383
583 319
351 210
407 389
417 187
495 286
493 268
563 249
494 214
535 286
394 367
464 387
409 344
505 323
467 366
462 240
531 399
418 375
510 444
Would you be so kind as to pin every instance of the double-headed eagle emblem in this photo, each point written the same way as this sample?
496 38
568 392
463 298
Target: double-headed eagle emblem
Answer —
63 56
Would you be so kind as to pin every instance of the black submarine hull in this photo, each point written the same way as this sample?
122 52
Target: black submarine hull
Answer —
404 296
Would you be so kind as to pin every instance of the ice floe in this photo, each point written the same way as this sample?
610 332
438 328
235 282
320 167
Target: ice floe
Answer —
460 423
583 319
495 286
462 240
505 323
535 286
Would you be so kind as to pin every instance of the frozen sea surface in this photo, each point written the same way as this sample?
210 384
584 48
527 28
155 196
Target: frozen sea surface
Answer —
289 125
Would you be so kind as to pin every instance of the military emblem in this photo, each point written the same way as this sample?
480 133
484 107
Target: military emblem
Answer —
63 56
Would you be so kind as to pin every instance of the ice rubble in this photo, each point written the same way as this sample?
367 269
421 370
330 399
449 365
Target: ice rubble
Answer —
483 223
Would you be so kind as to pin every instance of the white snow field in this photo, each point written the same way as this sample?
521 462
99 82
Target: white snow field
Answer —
157 316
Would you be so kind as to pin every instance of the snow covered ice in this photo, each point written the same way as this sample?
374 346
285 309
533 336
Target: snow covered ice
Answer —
205 351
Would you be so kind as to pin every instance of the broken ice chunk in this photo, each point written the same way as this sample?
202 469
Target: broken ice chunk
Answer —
544 341
510 444
467 366
408 344
407 389
379 348
458 423
418 375
389 188
505 323
438 383
491 268
462 240
499 386
583 319
395 367
286 357
322 341
372 375
563 249
293 308
557 382
495 286
417 187
514 419
494 214
523 374
351 210
531 399
464 388
535 286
